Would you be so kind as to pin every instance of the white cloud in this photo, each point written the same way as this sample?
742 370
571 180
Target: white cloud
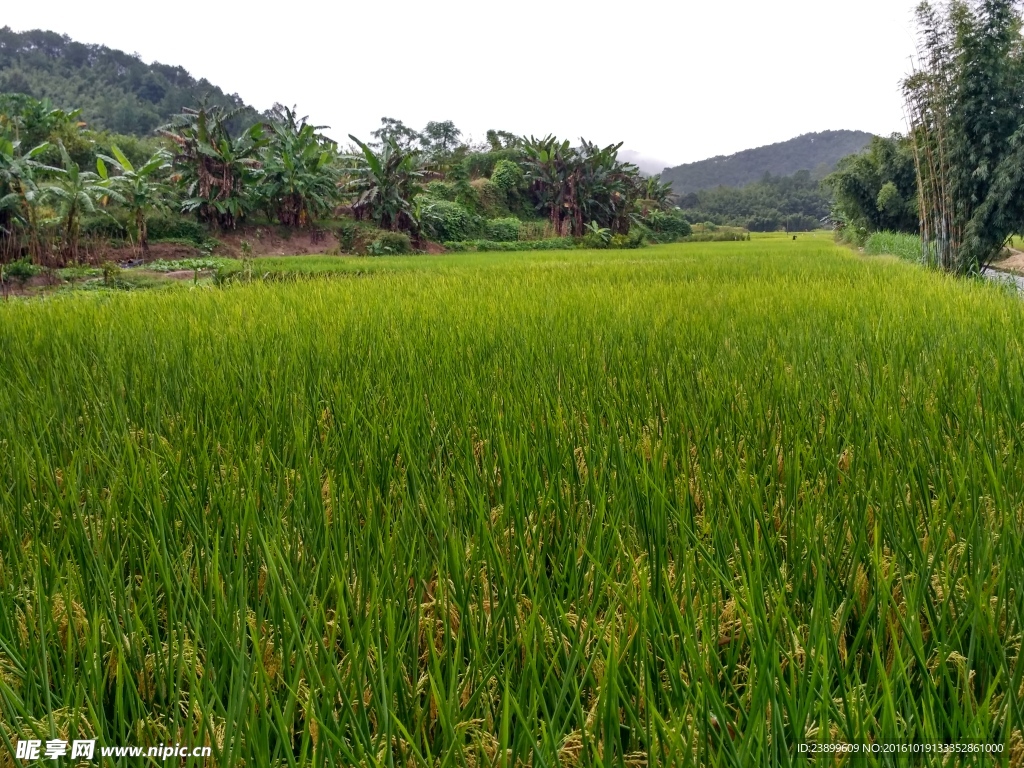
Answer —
674 80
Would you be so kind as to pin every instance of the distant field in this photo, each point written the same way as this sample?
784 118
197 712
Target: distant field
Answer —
690 505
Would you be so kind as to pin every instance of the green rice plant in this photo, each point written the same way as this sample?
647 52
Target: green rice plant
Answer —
902 245
695 506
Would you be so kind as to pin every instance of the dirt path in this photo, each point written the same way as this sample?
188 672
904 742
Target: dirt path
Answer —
1013 263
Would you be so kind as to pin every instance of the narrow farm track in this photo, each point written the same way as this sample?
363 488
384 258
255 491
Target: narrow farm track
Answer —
694 505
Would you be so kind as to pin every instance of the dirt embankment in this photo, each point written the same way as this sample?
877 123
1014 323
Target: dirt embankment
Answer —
264 241
1014 262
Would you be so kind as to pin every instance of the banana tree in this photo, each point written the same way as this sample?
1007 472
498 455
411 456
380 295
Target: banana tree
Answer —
74 193
215 167
298 175
384 184
19 195
574 185
139 190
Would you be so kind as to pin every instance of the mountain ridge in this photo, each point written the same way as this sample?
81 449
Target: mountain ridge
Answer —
114 90
817 152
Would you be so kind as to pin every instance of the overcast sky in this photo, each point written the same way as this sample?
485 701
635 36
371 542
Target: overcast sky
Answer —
676 81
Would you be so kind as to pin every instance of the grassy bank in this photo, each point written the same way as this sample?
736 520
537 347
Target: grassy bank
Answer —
901 245
695 504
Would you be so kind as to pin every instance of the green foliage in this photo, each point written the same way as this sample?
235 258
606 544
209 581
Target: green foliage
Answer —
550 244
20 271
442 190
576 185
666 226
442 220
478 165
215 166
74 193
490 199
397 133
968 131
170 226
111 272
634 239
383 185
502 230
816 153
876 189
177 265
139 190
717 235
507 176
390 243
297 178
596 236
20 193
440 141
905 246
764 206
113 90
347 233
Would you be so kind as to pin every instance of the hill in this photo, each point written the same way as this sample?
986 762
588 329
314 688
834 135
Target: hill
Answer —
815 152
116 91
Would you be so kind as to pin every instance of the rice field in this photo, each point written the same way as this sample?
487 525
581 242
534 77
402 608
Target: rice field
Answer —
697 504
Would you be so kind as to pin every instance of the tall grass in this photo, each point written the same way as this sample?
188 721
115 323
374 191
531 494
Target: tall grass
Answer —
907 247
691 506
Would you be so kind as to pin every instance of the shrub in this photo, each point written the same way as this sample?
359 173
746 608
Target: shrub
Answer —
503 230
442 190
552 244
443 220
171 227
507 176
390 244
347 234
635 239
104 226
20 271
667 227
481 164
111 272
492 199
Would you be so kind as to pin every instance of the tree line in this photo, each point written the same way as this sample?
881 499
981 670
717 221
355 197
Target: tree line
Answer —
957 177
207 166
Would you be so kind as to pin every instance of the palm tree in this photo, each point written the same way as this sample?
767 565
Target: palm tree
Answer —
19 194
137 189
75 193
298 176
383 185
214 166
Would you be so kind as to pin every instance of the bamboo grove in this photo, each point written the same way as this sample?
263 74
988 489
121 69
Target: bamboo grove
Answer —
964 107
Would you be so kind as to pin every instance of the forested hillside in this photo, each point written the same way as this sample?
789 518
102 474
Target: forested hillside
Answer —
815 152
794 203
114 90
